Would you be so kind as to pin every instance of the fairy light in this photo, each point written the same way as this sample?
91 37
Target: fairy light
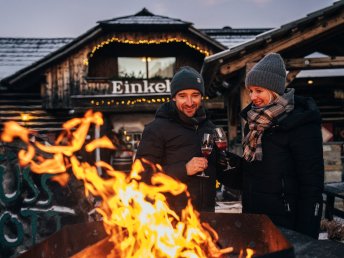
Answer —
145 41
133 102
25 117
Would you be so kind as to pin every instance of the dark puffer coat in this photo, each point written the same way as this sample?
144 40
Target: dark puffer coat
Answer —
287 184
172 143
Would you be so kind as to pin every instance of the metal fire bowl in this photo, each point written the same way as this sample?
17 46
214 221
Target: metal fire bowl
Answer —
239 231
253 231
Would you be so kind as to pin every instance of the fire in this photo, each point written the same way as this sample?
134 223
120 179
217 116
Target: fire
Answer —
135 214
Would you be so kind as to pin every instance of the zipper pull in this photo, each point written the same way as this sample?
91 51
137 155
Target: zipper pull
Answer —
316 210
287 206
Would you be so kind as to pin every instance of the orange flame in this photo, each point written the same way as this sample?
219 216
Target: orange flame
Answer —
135 214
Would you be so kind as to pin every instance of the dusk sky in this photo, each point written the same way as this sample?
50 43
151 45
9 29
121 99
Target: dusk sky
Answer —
71 18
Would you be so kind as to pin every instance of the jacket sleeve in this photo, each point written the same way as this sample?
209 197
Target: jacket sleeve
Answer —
152 148
231 178
306 147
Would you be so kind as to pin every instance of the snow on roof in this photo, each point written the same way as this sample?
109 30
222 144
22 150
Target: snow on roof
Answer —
232 37
145 17
17 53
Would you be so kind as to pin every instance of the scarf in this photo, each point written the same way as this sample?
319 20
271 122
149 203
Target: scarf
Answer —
261 118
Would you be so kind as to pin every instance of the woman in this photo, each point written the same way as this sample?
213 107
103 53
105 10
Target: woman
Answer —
282 165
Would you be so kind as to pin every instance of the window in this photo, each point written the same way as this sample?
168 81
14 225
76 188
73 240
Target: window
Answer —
146 67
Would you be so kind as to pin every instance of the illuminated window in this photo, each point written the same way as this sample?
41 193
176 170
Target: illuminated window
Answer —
146 67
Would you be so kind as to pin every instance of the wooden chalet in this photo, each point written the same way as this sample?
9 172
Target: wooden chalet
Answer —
121 66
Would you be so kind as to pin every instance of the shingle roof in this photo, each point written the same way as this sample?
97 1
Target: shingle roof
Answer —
232 37
144 17
284 31
17 53
251 50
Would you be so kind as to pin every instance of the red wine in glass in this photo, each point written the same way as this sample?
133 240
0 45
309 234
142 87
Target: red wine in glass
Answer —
206 149
221 144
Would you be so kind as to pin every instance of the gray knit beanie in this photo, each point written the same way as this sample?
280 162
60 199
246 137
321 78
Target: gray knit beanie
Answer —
269 73
186 78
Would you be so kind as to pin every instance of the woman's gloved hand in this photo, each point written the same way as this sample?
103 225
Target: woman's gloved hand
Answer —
228 160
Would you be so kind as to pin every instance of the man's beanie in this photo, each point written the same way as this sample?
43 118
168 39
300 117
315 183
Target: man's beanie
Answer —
186 78
269 73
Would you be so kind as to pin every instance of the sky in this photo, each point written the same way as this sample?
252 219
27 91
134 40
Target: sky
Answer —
71 18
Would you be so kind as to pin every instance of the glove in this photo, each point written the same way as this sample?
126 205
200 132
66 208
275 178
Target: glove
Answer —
230 176
228 160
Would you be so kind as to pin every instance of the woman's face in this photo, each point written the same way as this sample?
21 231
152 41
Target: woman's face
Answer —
260 97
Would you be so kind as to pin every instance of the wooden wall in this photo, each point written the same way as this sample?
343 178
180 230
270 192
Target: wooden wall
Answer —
68 77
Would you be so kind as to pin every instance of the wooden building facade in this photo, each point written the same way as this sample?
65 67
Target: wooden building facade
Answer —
121 67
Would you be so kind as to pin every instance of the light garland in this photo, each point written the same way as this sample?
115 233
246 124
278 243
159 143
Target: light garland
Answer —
145 41
132 102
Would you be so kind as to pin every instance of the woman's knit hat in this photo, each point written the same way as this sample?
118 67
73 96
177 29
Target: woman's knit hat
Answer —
269 73
186 78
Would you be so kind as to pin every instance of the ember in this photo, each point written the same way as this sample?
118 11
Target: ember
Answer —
135 215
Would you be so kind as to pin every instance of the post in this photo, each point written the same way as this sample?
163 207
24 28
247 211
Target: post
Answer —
97 152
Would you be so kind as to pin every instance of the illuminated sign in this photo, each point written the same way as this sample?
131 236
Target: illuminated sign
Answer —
131 87
140 87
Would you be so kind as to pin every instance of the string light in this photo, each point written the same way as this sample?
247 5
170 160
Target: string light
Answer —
133 102
25 117
145 41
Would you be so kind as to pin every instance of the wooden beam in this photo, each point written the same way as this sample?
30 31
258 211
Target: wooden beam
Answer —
244 94
291 76
314 63
298 37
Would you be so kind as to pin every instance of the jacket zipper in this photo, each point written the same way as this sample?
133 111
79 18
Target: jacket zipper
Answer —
316 209
200 180
286 203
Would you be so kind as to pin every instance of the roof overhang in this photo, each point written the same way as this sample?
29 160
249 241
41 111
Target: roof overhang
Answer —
286 40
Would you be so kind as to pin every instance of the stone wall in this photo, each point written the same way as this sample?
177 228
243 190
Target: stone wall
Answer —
333 162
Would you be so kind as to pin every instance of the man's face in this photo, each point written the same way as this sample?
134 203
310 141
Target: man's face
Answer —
188 101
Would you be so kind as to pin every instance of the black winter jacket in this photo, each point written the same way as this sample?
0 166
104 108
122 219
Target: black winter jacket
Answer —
287 184
172 143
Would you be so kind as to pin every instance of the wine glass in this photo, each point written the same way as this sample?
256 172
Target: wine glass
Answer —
206 148
222 143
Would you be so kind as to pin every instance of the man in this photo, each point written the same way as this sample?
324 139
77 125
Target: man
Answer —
173 140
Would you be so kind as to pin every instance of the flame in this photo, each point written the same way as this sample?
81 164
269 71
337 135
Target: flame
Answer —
135 214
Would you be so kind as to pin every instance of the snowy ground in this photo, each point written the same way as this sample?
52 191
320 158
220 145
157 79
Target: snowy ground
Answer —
228 207
236 207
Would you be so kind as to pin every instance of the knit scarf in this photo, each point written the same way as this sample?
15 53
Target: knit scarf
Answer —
261 118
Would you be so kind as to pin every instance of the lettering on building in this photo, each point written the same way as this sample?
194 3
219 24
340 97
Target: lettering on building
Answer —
127 87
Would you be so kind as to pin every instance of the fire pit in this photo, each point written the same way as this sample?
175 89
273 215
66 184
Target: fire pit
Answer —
136 213
237 230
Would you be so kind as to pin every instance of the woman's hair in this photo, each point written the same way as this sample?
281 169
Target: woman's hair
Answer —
273 95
